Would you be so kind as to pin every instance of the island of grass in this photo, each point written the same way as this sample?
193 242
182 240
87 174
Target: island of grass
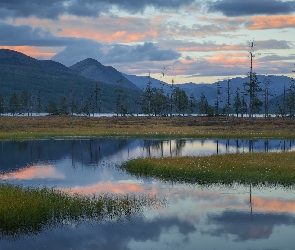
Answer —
29 210
245 168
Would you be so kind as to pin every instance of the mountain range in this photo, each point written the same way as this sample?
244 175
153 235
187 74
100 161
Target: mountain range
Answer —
53 79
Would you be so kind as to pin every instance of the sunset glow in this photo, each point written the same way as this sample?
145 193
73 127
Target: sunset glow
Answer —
207 34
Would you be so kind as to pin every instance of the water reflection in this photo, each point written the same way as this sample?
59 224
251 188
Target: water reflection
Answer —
216 217
211 217
87 152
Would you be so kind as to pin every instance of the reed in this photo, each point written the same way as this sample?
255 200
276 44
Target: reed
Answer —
29 210
255 168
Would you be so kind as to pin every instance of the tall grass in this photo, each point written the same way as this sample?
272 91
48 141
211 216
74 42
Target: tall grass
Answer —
29 210
255 168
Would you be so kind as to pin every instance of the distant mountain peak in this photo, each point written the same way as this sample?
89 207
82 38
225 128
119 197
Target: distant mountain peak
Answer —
92 69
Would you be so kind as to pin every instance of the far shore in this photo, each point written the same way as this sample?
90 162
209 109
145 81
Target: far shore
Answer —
23 127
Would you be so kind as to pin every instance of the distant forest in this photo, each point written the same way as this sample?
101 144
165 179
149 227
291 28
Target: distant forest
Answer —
151 101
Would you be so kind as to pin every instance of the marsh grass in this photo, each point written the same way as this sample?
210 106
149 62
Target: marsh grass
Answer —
245 168
155 127
29 210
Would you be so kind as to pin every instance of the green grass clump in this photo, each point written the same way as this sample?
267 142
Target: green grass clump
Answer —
28 210
255 168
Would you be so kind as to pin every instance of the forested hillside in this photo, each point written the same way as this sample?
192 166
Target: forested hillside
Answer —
47 82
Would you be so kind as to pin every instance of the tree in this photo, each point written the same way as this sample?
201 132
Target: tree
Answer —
121 107
14 103
63 106
2 104
52 107
290 99
159 101
266 94
228 104
85 108
217 101
237 103
253 92
39 104
25 101
170 98
96 92
253 87
192 103
147 97
73 104
203 104
282 105
180 100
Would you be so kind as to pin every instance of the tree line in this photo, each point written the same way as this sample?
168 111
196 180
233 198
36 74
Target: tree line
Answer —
252 99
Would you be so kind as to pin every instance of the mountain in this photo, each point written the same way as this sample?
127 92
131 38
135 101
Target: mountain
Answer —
94 70
54 80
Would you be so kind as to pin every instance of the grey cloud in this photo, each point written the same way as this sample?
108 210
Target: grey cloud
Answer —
116 54
139 5
54 8
145 52
252 7
273 44
25 35
42 9
77 52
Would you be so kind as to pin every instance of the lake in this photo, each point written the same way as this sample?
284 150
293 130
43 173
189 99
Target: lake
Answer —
193 216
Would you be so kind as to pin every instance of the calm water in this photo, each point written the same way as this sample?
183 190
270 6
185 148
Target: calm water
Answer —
195 217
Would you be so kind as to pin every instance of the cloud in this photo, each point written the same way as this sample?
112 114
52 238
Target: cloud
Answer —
252 7
271 22
26 35
146 52
55 8
115 53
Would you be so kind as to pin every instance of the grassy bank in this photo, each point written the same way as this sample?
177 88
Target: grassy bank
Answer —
255 168
154 127
28 210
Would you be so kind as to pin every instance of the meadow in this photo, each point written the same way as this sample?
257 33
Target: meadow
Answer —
143 127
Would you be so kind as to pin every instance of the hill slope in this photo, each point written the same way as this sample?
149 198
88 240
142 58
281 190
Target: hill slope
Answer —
94 70
53 80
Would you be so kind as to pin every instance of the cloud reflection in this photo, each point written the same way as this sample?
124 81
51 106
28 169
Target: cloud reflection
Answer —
247 226
34 172
120 188
272 205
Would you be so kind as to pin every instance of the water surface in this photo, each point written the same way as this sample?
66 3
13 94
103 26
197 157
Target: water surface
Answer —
194 217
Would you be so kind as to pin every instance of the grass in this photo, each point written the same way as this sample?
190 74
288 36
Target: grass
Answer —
154 127
245 168
29 210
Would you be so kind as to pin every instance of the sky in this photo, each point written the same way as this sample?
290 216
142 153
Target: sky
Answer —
176 41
